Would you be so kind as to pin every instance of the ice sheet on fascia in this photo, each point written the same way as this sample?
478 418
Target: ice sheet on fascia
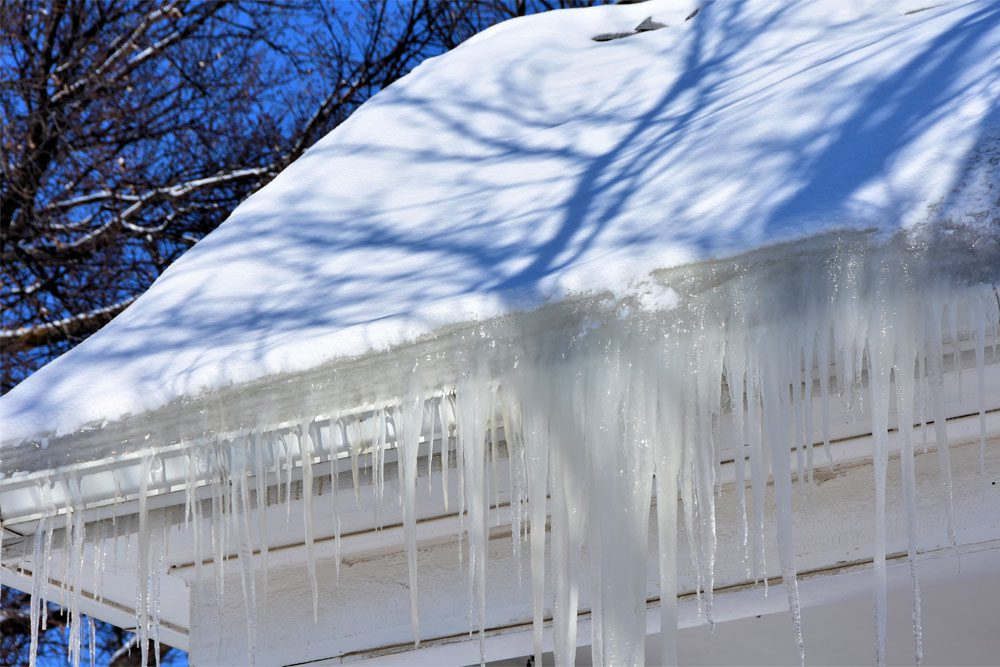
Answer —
532 163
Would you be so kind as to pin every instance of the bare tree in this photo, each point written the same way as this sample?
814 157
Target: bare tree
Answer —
131 130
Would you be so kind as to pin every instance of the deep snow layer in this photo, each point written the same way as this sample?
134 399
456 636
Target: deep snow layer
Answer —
533 163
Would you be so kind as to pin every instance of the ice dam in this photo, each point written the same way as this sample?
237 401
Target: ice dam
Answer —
693 333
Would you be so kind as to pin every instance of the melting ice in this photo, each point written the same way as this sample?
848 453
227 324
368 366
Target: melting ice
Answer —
598 408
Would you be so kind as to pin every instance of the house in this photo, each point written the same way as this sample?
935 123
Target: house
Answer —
564 343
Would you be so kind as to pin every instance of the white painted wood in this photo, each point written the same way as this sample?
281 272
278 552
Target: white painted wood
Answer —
366 616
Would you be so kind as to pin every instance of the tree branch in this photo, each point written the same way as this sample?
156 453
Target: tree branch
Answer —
75 326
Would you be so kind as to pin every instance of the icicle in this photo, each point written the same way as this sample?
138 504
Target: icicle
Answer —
905 389
666 450
217 526
774 382
445 451
536 455
50 508
567 475
336 427
196 515
935 381
879 367
377 463
411 420
143 561
260 479
735 371
516 485
429 414
354 444
92 627
493 448
920 390
952 312
758 470
286 448
239 471
39 575
306 453
474 399
73 542
978 327
807 407
154 587
708 385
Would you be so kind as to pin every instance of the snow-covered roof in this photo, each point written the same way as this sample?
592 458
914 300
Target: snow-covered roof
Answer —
533 163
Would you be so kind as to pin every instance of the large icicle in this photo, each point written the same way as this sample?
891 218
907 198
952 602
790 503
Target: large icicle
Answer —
596 405
473 401
667 434
411 421
879 368
304 433
906 359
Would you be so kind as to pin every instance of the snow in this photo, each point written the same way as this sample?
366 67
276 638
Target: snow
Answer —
489 182
532 164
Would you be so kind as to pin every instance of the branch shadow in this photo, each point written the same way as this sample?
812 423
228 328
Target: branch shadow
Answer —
474 190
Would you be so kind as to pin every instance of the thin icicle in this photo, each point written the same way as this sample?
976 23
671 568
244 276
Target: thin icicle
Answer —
537 458
142 604
429 416
735 370
935 381
978 327
774 392
879 367
241 508
260 486
338 434
905 390
823 364
304 434
39 575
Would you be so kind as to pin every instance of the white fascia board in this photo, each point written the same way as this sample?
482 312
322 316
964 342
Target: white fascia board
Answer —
818 588
832 538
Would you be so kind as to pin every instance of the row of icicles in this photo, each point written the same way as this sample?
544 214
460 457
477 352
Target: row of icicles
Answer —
587 429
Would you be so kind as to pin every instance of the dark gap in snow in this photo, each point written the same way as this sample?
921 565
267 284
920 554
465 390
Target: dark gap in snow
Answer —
649 24
921 9
646 25
608 36
697 9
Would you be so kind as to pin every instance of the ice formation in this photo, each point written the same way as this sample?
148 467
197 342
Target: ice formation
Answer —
599 407
614 353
